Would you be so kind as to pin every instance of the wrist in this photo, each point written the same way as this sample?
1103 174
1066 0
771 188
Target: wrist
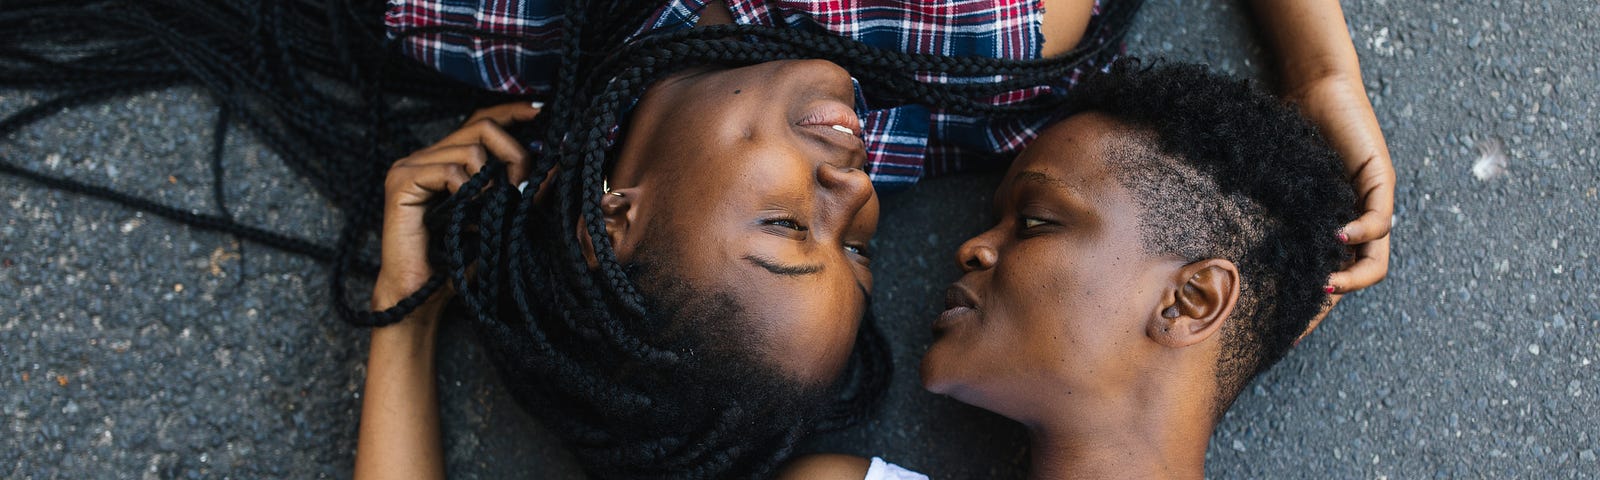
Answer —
420 321
408 339
390 289
1326 90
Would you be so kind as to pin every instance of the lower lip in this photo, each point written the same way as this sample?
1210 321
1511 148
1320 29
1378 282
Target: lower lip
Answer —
951 317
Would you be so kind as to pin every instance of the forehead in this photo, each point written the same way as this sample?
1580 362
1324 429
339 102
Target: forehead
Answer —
1077 154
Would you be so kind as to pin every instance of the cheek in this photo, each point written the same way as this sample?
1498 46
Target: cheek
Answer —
814 340
1046 312
977 354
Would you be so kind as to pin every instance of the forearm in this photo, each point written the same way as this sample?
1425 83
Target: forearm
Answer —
399 436
1311 40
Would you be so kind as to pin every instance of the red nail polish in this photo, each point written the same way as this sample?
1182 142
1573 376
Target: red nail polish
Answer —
1327 289
1344 238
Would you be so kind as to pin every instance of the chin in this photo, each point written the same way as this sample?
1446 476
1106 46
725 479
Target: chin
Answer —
933 379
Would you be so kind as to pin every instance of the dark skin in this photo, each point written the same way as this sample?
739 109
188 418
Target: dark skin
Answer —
1105 353
759 165
399 426
747 162
1322 75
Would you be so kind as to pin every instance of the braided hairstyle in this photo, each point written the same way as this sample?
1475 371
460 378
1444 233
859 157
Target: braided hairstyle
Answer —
592 350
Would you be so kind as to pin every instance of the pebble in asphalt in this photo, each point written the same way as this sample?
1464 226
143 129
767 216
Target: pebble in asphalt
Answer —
133 347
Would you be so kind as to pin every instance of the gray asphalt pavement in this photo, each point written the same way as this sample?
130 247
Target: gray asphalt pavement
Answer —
132 347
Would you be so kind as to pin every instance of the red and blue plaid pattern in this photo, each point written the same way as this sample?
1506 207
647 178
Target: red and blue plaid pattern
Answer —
904 142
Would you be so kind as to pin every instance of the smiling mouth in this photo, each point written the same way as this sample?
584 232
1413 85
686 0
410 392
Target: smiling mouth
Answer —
959 304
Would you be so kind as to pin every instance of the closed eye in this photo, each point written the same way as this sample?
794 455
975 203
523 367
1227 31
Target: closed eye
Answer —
776 267
787 223
786 228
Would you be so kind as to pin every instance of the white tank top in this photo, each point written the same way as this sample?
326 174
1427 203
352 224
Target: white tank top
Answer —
881 470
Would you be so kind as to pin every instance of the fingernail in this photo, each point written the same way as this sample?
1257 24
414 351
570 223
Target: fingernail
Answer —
1343 238
536 105
1327 289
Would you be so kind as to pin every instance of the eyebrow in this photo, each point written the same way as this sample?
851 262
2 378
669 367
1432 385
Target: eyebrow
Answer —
1072 193
1031 176
781 269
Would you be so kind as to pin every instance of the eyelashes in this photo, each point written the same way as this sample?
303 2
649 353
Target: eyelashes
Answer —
794 229
1028 226
788 223
863 250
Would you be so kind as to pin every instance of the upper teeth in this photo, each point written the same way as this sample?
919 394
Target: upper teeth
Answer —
843 128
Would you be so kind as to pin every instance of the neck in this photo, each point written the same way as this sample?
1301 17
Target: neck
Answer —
1144 436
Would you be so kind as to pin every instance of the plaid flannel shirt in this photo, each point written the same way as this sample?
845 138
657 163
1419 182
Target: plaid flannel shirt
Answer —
904 142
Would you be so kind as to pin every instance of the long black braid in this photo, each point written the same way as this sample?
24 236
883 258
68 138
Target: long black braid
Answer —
585 348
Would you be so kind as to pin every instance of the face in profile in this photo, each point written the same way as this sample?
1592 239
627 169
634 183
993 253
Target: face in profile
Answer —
1055 295
755 174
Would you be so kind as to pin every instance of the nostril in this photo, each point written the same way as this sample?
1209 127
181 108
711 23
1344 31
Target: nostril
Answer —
975 256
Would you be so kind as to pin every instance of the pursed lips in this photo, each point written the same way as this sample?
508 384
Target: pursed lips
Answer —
959 303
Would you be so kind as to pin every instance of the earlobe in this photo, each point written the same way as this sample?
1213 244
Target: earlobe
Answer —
1199 301
616 205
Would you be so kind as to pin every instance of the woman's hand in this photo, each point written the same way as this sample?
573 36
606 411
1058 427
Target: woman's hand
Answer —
399 435
1323 76
1340 107
416 181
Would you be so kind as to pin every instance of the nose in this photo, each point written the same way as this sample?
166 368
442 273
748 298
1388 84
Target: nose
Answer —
850 188
977 253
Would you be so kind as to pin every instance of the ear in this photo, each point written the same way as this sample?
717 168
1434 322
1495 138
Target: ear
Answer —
1199 300
620 214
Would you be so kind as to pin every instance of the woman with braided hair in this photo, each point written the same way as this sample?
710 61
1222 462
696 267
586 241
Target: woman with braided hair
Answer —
944 146
586 303
736 204
676 298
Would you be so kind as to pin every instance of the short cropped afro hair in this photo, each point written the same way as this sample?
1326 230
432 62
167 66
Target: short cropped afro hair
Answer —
1226 170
